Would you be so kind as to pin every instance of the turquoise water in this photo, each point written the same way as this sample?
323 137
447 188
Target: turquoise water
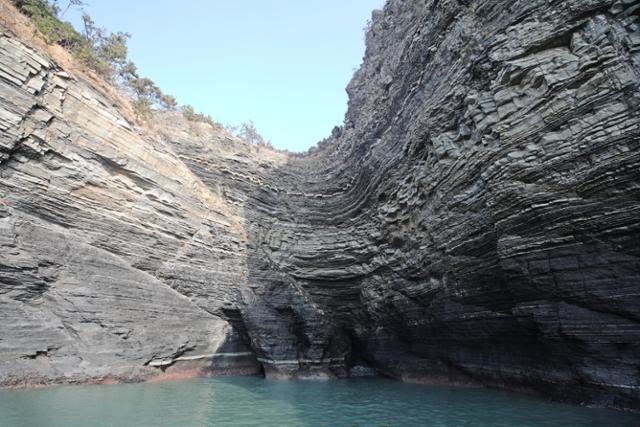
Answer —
253 401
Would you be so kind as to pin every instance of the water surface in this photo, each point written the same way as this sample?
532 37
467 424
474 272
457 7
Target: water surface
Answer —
253 401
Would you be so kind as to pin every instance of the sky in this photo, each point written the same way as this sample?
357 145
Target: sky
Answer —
282 63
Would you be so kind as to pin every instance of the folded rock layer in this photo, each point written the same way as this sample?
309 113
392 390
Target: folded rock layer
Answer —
476 220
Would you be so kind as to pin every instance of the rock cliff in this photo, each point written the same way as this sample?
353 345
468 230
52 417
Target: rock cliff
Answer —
476 220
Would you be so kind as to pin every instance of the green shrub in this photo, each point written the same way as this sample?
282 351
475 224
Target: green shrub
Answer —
168 102
105 53
142 107
190 114
44 16
250 134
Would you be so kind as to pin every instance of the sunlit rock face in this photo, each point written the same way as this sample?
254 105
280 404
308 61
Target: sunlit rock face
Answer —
476 220
97 219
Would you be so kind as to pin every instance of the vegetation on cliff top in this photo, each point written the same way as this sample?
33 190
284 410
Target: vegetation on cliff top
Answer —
99 50
107 54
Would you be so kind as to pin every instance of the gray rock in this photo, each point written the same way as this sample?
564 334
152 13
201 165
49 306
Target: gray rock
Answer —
474 221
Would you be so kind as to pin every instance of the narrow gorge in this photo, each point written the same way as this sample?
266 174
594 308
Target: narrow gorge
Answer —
474 221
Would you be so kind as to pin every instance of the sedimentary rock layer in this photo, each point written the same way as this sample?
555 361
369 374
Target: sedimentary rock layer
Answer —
475 220
95 221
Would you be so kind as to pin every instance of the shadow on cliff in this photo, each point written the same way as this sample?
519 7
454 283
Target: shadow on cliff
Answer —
291 331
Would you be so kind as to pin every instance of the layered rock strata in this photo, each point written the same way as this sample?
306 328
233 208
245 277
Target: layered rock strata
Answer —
475 220
96 218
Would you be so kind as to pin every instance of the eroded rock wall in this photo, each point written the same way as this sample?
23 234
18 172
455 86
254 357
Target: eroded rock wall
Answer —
97 219
475 220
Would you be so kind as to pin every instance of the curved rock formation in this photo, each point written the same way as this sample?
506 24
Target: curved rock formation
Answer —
475 220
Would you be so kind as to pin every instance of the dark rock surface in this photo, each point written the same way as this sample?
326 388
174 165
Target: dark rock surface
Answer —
476 220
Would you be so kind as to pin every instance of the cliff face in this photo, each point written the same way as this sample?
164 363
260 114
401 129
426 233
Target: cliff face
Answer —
97 220
474 221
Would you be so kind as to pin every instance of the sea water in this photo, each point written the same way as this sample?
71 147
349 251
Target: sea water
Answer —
253 401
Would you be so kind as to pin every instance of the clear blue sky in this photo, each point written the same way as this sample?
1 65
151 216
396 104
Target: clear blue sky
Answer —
282 63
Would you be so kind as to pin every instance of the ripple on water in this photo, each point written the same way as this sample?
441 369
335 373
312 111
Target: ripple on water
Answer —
252 401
